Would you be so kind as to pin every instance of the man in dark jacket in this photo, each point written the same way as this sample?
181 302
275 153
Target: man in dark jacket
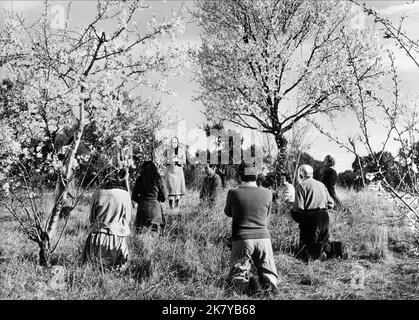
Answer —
211 187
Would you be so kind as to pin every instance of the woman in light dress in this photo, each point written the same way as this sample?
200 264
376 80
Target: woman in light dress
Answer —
175 178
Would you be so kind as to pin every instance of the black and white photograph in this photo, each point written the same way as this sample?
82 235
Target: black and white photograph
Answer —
233 151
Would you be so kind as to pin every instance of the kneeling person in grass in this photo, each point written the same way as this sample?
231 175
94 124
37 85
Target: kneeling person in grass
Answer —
211 187
109 218
150 192
249 207
312 200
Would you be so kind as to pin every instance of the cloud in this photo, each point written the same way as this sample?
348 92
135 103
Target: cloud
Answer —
408 7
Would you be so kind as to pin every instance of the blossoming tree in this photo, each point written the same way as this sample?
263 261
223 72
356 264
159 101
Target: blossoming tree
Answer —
68 79
266 65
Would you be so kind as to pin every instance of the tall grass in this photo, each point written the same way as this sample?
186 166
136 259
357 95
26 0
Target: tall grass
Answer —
190 260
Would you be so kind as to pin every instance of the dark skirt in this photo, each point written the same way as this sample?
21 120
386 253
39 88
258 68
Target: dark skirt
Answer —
150 215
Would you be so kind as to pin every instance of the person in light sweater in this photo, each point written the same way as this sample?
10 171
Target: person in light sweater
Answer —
312 200
286 194
288 191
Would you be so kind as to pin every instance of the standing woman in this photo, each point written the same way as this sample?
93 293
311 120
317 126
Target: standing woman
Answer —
175 179
149 192
329 178
109 218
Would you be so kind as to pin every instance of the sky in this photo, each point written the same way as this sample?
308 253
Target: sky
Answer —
190 111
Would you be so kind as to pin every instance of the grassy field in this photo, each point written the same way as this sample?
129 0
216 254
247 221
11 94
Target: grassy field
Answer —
191 259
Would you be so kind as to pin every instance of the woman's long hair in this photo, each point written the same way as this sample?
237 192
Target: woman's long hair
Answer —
149 177
177 148
329 161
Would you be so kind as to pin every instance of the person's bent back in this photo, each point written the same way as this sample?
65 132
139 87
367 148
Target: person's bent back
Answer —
312 195
249 207
109 219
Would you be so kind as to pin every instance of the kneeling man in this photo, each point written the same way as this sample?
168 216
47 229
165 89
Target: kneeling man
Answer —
211 187
312 200
249 206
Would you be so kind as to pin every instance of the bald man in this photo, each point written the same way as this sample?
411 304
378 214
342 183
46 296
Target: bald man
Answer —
310 210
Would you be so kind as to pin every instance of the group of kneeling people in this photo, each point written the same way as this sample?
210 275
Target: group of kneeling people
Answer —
249 206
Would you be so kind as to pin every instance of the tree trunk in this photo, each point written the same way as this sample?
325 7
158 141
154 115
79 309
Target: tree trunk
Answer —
62 201
281 143
44 250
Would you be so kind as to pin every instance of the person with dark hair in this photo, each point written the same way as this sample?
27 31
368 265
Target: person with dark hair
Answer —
329 178
249 206
265 179
149 192
286 194
261 180
109 218
211 187
175 178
